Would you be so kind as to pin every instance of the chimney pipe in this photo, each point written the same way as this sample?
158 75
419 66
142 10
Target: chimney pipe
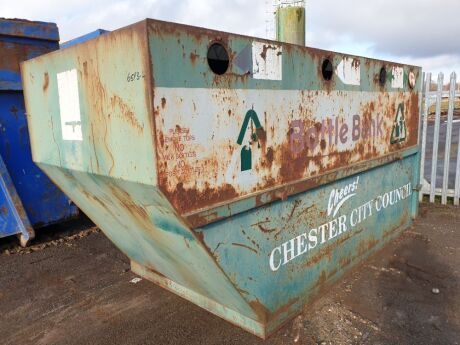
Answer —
290 22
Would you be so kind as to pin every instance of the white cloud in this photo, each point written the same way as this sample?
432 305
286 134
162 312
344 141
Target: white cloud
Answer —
78 17
420 32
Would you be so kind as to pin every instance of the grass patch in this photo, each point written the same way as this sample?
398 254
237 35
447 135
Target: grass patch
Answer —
445 106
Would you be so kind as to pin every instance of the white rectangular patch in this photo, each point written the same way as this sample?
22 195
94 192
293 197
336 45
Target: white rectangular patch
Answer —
398 78
349 71
69 105
267 61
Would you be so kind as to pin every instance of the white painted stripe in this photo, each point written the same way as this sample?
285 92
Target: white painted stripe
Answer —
450 116
457 175
69 105
434 161
425 124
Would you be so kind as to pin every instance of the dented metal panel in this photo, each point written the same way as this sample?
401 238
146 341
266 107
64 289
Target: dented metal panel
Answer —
246 190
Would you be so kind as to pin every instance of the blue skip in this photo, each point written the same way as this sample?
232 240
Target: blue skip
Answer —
28 198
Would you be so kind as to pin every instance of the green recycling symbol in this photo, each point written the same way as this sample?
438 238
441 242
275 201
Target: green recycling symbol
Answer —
246 152
399 131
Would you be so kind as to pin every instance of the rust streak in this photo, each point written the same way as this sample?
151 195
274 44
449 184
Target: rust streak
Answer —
264 229
46 81
245 246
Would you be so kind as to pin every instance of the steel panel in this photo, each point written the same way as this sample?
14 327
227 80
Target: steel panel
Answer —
13 218
144 137
22 40
40 202
243 244
84 38
199 166
43 202
29 29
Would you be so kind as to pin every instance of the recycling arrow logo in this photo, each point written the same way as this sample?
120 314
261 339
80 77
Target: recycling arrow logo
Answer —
399 131
246 153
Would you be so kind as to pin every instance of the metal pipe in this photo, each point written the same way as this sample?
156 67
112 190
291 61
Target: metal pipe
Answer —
290 23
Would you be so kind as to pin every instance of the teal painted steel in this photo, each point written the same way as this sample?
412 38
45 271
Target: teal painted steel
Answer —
284 254
246 192
185 64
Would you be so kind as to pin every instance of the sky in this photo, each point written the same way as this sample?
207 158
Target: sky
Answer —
420 32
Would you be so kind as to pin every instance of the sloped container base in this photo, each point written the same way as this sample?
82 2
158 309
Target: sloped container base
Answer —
248 192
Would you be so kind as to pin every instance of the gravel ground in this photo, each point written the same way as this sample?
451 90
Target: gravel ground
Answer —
72 286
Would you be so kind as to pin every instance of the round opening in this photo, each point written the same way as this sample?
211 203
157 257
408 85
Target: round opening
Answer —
412 80
383 76
327 69
218 59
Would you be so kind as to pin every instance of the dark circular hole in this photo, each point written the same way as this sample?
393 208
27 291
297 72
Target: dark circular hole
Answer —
218 59
327 69
383 76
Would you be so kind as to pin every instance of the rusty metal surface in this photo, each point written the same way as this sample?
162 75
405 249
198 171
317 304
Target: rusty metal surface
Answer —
22 40
29 29
290 22
280 194
117 129
308 126
238 191
284 254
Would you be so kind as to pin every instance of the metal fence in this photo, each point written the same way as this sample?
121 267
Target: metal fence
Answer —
440 163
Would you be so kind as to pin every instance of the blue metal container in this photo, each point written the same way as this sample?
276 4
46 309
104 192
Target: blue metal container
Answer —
84 38
26 191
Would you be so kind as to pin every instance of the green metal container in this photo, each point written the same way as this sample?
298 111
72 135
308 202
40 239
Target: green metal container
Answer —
242 174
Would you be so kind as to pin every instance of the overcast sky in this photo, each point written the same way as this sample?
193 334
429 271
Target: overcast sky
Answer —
420 32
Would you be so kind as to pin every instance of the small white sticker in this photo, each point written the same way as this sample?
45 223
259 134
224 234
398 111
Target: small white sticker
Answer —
267 61
398 78
69 105
349 71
